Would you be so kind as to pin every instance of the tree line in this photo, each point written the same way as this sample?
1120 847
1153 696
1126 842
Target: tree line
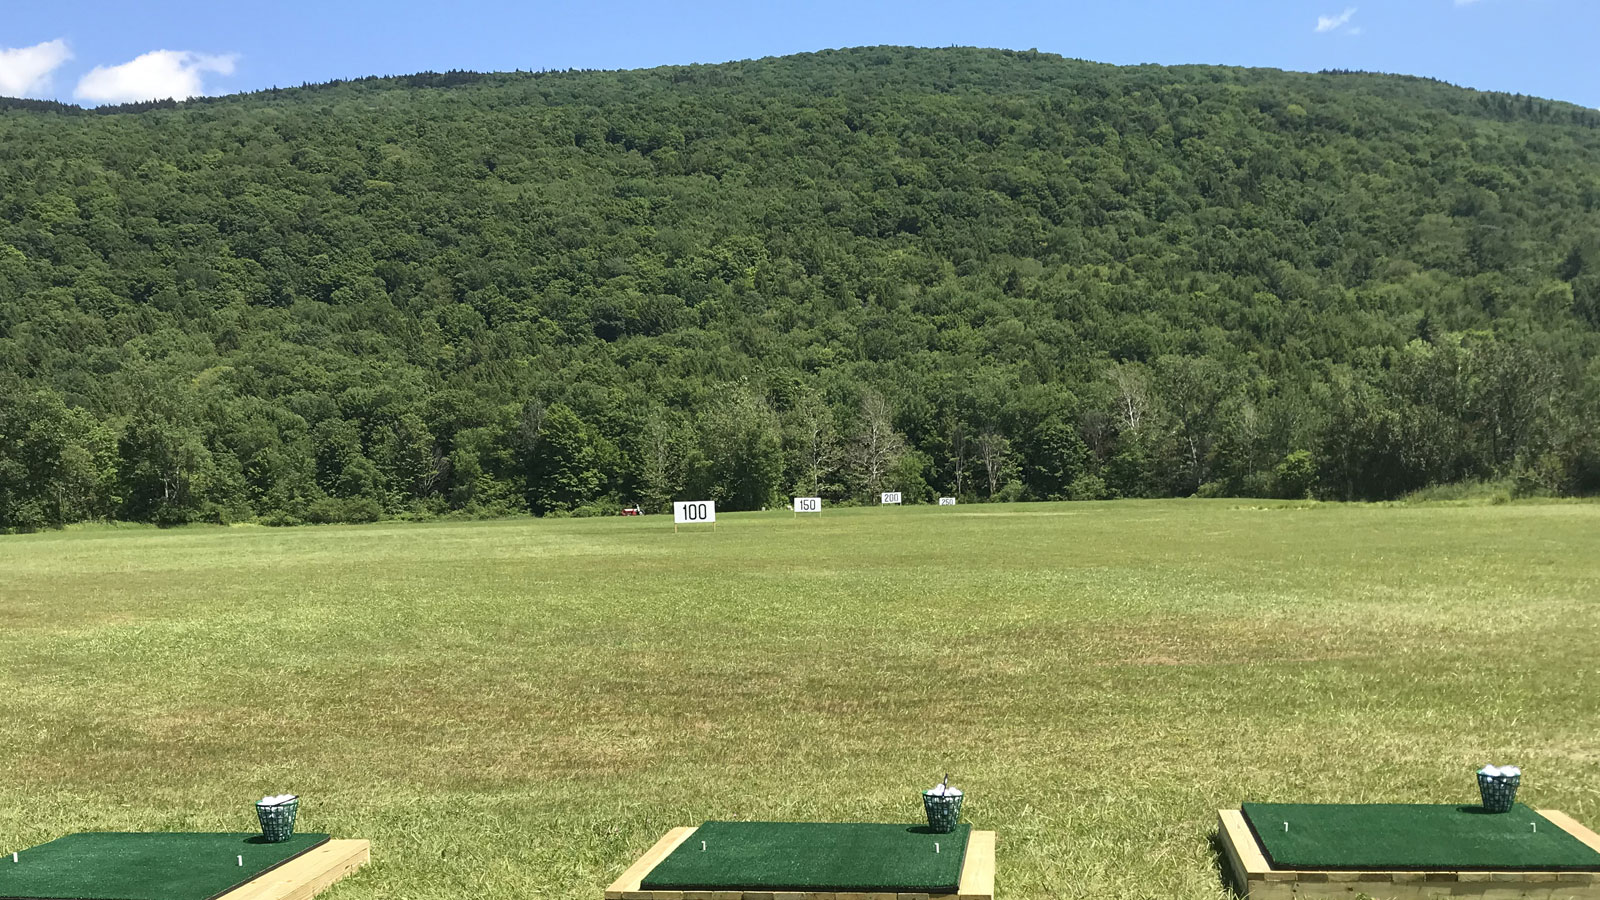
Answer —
993 275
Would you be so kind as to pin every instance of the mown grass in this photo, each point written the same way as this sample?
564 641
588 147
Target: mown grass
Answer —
518 709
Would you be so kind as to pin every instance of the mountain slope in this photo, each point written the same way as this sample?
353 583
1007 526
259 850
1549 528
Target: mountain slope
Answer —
1049 278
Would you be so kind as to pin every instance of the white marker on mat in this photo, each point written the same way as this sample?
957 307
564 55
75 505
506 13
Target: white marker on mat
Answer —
1535 827
702 846
936 846
241 859
1286 828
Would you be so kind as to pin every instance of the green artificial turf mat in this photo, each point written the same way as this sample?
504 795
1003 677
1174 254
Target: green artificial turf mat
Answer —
1406 836
813 856
109 865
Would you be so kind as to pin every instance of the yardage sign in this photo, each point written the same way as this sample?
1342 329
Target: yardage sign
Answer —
889 497
947 501
808 504
694 512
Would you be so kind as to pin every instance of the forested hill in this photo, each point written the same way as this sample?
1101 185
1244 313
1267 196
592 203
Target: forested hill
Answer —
972 272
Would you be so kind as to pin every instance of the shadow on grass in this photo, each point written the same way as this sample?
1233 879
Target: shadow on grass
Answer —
1219 857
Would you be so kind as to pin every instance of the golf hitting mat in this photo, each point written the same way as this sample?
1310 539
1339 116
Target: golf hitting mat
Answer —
1414 837
144 866
813 856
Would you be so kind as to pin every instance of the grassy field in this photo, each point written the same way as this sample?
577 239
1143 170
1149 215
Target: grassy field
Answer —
518 709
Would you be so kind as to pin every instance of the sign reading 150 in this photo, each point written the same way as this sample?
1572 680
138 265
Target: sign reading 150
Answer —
694 512
808 504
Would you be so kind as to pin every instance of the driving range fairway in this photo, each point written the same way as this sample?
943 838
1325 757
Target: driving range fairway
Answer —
519 709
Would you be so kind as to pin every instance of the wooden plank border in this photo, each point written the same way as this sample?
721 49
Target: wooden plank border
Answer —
306 875
977 878
1573 827
1255 879
626 887
1243 858
977 870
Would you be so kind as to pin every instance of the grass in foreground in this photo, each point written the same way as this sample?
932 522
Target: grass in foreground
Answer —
518 709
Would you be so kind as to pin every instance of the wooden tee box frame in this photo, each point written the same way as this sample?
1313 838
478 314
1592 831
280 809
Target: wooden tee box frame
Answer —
307 875
977 878
1255 879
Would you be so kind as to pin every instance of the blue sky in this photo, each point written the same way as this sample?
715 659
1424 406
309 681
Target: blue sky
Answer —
107 51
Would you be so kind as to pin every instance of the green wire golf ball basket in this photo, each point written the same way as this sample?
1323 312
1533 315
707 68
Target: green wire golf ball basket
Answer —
1498 792
277 821
944 811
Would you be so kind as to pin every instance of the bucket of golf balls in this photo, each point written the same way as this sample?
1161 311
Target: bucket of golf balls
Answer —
277 816
943 806
1497 785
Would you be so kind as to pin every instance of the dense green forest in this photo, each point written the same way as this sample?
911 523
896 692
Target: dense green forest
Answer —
993 274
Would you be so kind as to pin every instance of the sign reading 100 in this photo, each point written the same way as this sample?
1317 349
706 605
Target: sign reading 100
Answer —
694 512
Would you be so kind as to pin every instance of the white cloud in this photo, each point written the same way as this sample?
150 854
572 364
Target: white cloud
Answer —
1334 23
157 75
25 71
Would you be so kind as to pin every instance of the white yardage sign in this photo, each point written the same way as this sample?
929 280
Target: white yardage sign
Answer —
947 501
808 504
694 512
888 498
